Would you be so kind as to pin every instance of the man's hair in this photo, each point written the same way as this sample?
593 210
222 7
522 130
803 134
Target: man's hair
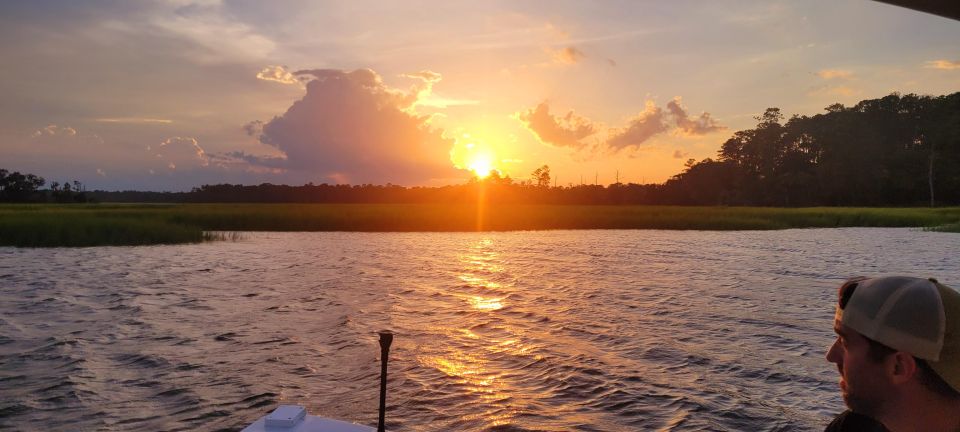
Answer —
878 351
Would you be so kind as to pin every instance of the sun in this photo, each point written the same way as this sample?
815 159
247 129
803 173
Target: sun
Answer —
481 165
476 154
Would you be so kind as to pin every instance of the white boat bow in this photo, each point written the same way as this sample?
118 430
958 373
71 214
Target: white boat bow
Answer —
294 418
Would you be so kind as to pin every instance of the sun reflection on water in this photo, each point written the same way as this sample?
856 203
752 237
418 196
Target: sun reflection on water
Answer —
476 350
478 282
486 304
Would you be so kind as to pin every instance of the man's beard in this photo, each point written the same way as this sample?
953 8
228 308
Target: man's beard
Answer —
862 404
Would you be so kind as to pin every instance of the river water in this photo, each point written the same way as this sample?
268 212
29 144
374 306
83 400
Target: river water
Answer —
517 331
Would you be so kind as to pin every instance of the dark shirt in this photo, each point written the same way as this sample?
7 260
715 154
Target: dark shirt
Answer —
850 421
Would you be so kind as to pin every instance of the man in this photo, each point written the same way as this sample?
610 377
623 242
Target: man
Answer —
898 353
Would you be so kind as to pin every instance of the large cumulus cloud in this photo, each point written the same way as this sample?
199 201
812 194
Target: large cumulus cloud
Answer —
351 127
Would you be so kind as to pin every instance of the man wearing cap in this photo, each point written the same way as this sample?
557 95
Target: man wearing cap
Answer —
898 353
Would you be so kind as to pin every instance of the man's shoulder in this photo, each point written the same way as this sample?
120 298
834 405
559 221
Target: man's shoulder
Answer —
850 421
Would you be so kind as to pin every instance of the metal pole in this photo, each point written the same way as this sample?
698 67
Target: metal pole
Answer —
386 338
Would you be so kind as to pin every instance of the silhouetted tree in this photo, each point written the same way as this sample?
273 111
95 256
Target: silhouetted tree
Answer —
541 176
17 187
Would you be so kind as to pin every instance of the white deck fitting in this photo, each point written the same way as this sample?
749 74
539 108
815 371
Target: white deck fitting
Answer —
294 418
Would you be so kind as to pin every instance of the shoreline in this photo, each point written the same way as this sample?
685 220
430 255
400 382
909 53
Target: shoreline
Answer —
78 225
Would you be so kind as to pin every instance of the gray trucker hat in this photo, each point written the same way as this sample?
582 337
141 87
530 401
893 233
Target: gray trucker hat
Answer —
918 316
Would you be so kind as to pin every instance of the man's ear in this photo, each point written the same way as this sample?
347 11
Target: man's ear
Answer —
902 367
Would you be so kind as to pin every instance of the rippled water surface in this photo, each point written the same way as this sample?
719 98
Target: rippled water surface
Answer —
558 330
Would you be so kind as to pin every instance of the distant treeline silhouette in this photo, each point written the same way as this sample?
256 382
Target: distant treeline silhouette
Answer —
899 150
492 191
896 150
18 187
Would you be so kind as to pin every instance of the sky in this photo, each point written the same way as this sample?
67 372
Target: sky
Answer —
167 95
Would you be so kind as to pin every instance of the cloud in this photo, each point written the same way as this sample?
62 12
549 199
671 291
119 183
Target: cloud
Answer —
425 76
436 101
278 74
54 130
352 127
679 154
829 74
566 131
215 36
254 128
942 64
361 83
273 162
133 120
423 90
570 130
180 151
568 55
698 126
649 122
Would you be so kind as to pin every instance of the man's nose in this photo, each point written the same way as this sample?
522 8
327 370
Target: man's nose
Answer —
833 354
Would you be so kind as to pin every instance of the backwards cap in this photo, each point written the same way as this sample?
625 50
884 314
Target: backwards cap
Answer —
918 316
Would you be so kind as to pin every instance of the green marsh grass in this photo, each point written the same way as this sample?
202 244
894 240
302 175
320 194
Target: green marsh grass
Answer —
124 224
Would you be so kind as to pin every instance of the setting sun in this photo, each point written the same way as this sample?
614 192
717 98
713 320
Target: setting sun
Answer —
481 166
476 154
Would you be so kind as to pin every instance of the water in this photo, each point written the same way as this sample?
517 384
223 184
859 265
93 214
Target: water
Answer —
546 331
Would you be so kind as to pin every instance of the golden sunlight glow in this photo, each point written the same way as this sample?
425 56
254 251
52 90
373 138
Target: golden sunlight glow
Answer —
481 166
477 154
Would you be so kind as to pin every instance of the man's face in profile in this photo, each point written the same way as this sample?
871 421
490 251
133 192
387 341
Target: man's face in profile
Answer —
862 380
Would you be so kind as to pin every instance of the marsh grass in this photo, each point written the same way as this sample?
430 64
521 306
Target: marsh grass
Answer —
104 224
954 227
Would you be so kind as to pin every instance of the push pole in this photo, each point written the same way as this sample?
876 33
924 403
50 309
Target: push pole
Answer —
386 337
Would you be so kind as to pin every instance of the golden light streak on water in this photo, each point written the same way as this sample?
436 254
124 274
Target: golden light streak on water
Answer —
486 304
468 361
472 280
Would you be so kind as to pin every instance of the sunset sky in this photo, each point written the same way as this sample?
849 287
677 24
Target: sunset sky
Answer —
167 95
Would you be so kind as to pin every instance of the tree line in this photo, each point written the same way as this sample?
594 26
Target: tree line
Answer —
898 150
17 187
892 151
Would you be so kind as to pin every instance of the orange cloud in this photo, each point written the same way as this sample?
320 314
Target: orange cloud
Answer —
649 122
942 64
570 130
278 74
54 130
829 74
566 131
568 56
